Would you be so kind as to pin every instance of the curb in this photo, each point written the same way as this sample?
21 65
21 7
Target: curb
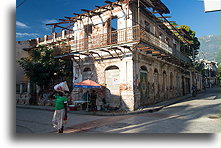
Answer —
155 108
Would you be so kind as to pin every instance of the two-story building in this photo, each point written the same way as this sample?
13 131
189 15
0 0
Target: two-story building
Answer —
129 47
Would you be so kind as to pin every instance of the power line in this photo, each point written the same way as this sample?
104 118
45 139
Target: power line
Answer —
21 3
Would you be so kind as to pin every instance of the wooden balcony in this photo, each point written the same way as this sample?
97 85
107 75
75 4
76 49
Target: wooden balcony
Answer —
133 35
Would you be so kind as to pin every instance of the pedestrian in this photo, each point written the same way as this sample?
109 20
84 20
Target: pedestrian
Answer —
194 90
60 113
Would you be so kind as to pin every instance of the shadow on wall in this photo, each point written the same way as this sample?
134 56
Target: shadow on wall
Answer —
108 98
100 99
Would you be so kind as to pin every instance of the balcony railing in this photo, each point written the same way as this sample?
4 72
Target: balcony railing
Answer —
131 35
111 38
148 37
50 37
58 35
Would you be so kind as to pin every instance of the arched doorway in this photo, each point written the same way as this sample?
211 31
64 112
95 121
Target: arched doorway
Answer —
87 73
156 84
143 85
178 84
164 82
171 80
164 89
112 80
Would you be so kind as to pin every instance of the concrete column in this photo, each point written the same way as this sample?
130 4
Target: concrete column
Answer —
76 72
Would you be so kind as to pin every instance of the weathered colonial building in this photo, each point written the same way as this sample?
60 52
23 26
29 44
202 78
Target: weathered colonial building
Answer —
129 47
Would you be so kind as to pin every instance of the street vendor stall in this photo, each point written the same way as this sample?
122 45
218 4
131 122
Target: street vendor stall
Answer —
87 84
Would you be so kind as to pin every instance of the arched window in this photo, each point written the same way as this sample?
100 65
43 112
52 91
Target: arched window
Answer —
143 68
111 67
143 85
112 73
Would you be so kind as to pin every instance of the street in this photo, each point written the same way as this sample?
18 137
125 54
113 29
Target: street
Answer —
199 114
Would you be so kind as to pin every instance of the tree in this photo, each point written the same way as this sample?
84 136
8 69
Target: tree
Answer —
43 69
189 35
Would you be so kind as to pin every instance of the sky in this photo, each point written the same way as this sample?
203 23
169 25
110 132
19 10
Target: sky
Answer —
32 15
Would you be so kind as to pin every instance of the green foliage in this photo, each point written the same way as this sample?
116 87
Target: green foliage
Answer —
42 68
194 42
189 31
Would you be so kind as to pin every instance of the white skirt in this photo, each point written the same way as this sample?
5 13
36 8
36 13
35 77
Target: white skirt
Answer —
58 119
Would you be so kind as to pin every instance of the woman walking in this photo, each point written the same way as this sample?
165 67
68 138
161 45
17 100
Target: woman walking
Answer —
60 114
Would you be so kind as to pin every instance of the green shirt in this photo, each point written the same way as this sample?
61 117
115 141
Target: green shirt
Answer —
60 100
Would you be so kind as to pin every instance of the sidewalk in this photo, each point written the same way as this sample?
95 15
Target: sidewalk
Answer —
151 108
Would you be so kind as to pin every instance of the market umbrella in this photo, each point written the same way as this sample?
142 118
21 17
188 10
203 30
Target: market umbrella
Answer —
87 84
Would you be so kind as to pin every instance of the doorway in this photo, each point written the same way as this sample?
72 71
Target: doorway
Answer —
112 80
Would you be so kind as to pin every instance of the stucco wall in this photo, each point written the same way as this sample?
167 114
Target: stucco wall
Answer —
170 90
124 82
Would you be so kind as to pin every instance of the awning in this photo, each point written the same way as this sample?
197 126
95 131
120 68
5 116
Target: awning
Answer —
87 84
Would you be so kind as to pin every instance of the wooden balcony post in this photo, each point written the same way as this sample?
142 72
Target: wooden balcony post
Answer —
139 32
45 38
63 34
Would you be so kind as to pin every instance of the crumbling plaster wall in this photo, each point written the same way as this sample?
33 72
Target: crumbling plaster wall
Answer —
99 22
152 63
125 81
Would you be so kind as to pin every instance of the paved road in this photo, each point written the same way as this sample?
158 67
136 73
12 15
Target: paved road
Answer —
195 115
39 121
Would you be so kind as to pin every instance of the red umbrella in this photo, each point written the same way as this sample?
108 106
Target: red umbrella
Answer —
87 84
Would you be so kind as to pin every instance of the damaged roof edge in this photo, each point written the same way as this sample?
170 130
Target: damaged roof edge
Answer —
67 20
159 6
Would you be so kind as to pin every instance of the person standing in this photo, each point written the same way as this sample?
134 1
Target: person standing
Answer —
60 113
